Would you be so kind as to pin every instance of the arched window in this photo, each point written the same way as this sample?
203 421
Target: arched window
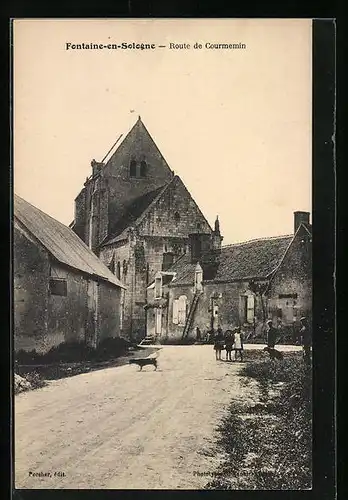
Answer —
118 270
143 168
182 305
133 168
177 216
198 226
112 265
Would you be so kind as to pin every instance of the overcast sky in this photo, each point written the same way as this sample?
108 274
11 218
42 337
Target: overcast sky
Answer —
235 125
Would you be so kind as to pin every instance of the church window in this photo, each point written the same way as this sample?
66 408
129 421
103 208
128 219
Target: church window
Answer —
112 265
133 168
125 269
177 216
198 226
118 271
143 168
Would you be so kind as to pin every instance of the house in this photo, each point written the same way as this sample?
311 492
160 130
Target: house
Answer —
136 215
242 284
62 291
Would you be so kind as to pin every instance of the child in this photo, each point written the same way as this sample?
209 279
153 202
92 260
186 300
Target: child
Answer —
218 343
238 343
229 341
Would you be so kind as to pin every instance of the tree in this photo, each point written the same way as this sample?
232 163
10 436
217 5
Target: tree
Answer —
259 289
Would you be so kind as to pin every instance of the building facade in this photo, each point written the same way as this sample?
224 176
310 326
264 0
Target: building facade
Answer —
62 292
136 215
243 284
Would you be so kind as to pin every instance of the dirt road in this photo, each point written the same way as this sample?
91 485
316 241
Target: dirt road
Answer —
119 428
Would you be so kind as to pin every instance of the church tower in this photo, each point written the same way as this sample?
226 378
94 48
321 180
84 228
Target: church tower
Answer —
136 215
134 170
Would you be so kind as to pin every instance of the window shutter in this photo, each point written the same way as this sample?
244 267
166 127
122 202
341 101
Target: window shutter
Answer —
250 308
176 311
182 309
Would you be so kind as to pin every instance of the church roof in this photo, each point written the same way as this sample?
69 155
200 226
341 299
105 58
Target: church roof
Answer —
251 259
61 241
138 209
132 214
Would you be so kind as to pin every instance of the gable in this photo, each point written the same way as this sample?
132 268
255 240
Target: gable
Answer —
139 144
297 260
174 213
123 186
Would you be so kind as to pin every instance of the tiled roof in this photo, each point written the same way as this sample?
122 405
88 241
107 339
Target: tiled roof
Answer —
251 259
61 241
132 214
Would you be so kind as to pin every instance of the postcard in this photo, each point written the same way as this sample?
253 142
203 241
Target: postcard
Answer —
162 254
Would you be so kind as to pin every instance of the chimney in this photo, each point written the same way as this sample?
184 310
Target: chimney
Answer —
300 217
199 244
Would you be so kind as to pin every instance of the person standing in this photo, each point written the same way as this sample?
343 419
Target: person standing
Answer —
238 343
271 334
218 343
229 342
305 339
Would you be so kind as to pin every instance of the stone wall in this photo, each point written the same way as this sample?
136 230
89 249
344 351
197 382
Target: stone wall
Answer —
290 290
174 215
30 291
43 319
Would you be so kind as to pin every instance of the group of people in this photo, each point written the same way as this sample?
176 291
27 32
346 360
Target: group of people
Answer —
231 341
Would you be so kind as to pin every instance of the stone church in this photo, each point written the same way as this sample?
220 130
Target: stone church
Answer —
137 215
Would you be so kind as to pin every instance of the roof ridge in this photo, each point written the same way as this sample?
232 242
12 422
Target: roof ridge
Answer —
266 238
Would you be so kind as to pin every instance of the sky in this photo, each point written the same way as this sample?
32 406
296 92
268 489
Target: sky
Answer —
235 125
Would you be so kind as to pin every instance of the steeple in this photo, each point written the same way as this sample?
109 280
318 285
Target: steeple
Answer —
216 236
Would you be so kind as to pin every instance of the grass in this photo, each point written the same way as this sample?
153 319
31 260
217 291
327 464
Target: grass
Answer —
268 443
